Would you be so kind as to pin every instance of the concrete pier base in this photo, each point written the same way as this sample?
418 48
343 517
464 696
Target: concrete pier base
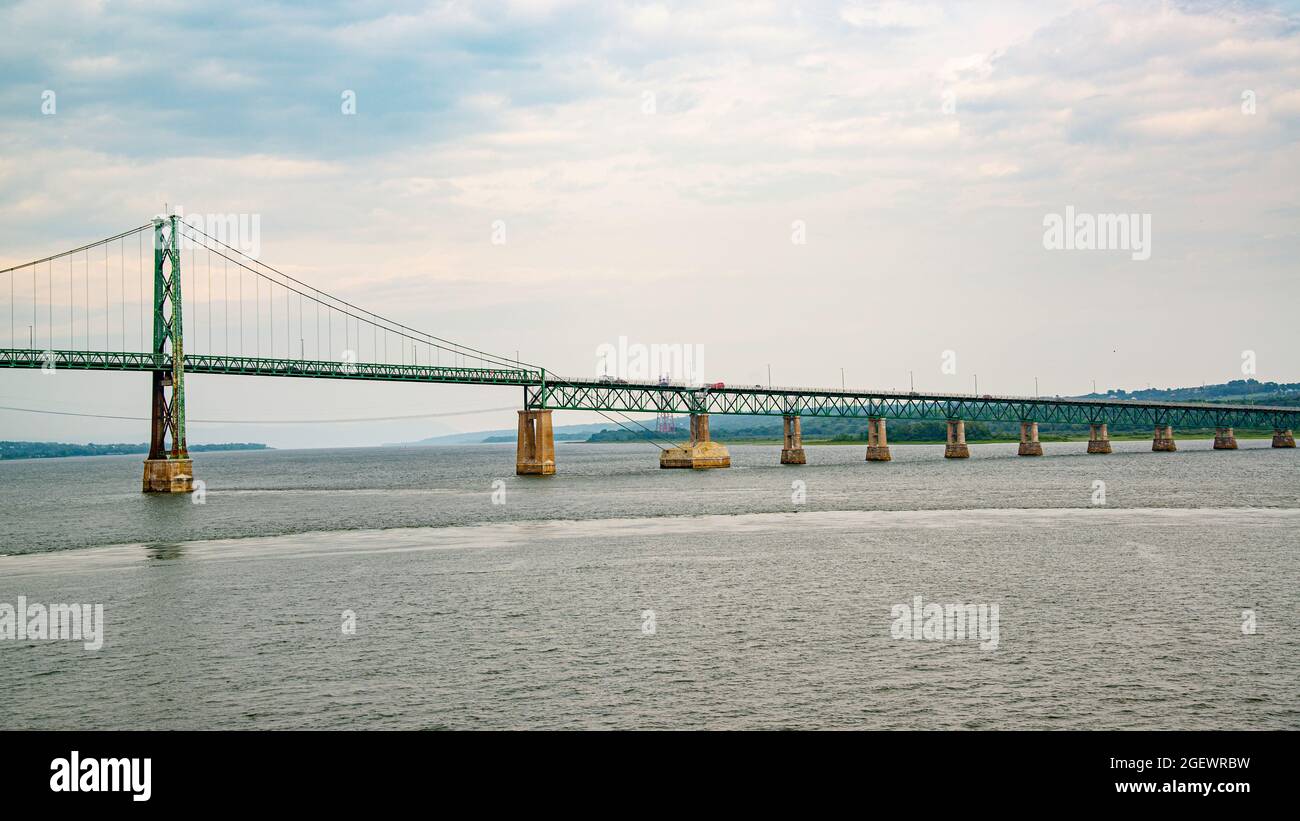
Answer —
1224 440
535 447
1029 444
877 441
1163 440
1283 439
699 453
168 475
792 448
956 447
1098 438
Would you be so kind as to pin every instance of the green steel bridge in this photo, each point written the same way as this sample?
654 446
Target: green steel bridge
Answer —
549 392
243 317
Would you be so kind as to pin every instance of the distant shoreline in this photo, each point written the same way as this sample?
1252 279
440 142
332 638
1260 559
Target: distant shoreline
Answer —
13 451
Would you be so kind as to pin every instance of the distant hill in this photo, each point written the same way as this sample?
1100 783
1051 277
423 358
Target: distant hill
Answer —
1239 391
51 450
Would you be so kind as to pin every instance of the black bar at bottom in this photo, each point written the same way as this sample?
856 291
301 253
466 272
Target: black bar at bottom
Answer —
979 770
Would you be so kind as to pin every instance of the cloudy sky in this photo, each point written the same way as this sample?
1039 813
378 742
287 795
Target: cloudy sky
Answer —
655 165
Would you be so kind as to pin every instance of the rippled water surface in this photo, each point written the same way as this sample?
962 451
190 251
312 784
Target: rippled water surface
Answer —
768 612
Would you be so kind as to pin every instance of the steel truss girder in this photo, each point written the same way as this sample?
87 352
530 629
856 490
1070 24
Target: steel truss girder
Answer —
646 398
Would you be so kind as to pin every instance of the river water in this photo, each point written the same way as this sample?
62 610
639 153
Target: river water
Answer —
617 595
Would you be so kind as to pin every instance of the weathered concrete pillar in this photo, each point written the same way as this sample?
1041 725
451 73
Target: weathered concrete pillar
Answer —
956 448
700 453
168 469
699 427
1098 438
877 441
1283 438
168 475
535 447
1164 439
792 448
1224 440
1029 444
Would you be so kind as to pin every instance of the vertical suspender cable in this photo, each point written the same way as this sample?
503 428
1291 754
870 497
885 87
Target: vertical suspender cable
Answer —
139 267
209 301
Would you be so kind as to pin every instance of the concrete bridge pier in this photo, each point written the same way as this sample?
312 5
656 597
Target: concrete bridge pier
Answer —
167 469
1164 439
700 453
792 449
1283 438
535 447
168 475
877 440
1098 438
1029 444
956 448
1224 439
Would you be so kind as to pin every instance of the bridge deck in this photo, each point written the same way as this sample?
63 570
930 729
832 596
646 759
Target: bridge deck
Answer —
544 390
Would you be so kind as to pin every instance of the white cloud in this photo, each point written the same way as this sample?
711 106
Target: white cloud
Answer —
892 15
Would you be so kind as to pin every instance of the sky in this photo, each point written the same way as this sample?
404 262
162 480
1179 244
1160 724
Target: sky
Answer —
851 191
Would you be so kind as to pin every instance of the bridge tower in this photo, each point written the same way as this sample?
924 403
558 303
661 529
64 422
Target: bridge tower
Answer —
168 468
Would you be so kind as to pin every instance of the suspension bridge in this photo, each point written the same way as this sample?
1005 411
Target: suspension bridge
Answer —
116 304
